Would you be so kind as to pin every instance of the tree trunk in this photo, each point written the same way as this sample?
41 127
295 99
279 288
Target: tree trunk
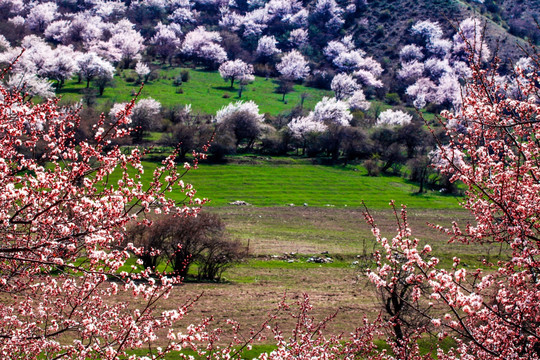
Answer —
422 179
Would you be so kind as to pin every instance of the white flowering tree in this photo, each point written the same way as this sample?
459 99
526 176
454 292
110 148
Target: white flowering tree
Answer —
241 120
348 59
144 117
358 101
293 66
143 71
91 67
266 46
393 118
236 70
302 128
432 69
344 86
62 66
204 45
165 42
41 15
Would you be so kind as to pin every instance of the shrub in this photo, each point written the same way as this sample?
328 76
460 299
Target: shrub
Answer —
178 81
372 167
187 240
392 99
185 75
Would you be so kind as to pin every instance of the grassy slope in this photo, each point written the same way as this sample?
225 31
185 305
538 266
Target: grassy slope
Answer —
279 182
316 185
204 91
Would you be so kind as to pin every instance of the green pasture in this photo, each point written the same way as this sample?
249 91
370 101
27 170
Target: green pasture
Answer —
255 351
272 183
426 347
205 91
316 185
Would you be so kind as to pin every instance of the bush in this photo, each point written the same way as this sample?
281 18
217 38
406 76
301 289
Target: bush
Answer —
372 167
320 79
187 240
178 81
385 15
380 31
392 99
218 256
184 75
224 144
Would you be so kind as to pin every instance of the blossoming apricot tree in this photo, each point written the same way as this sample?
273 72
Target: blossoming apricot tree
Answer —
493 312
62 220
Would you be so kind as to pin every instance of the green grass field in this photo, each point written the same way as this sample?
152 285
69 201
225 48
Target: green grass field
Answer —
204 91
274 184
281 182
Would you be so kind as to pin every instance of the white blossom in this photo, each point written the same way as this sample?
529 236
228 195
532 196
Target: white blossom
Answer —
344 85
332 111
302 126
358 101
298 37
293 66
267 46
236 70
249 107
393 118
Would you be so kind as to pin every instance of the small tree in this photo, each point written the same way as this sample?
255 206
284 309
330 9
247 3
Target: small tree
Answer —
236 70
284 87
293 66
241 119
218 256
144 117
184 241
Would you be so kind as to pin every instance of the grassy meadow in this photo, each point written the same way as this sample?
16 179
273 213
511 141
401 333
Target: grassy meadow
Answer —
280 239
271 182
206 91
268 183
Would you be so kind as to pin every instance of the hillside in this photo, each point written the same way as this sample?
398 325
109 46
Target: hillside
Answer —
382 28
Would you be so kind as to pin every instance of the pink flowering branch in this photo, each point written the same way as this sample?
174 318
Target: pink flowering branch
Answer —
491 313
63 222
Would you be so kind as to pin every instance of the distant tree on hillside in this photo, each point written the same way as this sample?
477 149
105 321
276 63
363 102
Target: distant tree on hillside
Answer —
204 45
236 70
91 67
293 66
433 67
165 43
242 120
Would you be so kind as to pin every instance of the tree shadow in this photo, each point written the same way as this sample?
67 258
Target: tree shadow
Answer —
225 88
